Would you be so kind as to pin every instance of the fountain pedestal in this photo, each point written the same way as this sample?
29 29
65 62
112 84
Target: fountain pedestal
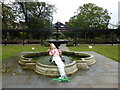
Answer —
57 41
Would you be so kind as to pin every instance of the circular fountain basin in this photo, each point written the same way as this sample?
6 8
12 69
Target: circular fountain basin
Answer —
79 61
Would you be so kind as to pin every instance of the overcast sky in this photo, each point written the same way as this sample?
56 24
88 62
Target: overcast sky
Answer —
66 8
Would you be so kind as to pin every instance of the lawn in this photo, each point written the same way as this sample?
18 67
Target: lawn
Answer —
106 50
11 50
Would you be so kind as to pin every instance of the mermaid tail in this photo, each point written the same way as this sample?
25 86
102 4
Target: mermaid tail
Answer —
61 79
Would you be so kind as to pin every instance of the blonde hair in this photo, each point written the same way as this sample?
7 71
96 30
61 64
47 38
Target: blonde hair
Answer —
52 46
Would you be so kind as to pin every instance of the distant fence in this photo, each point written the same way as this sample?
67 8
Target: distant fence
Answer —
5 40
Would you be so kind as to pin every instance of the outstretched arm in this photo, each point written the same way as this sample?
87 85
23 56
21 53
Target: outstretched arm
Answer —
60 52
51 52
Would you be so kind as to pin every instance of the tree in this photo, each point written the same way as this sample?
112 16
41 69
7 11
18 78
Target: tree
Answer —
90 16
118 27
30 15
8 17
35 14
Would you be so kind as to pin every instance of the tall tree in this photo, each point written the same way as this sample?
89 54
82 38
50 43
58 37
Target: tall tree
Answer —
35 14
8 16
118 27
90 16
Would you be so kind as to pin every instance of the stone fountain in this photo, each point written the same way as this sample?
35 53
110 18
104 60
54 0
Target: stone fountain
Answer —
83 62
78 62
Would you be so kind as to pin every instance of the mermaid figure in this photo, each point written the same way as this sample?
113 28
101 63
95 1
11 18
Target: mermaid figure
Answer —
56 58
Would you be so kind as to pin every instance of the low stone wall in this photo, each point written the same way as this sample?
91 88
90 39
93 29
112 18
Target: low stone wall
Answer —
82 65
25 61
89 60
49 70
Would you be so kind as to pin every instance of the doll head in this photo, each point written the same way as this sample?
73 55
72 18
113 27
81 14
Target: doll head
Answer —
52 46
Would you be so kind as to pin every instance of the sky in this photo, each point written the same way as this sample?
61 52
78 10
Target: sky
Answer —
67 8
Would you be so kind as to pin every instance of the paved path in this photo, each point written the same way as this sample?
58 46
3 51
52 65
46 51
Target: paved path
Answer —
103 74
63 47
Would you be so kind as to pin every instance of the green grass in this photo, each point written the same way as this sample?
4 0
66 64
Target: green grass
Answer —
11 50
106 50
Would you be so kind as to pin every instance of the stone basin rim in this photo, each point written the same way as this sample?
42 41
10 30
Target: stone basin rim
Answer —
24 57
51 66
50 70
